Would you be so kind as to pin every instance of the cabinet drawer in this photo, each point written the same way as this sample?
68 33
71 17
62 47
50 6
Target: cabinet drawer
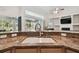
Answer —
51 50
70 51
28 50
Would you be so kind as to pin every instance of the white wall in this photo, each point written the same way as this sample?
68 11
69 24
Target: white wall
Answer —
9 10
68 10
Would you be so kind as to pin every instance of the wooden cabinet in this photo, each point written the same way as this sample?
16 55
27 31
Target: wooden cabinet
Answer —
7 51
27 50
71 51
40 50
52 50
24 50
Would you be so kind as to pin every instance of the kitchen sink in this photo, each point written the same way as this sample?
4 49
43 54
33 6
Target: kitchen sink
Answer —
38 40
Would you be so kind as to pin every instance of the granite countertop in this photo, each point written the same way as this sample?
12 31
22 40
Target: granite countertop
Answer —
72 31
60 41
10 42
75 31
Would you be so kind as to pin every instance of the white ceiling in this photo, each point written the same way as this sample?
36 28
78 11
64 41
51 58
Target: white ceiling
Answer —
44 10
40 10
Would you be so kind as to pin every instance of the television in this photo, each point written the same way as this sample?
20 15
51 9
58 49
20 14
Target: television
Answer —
66 21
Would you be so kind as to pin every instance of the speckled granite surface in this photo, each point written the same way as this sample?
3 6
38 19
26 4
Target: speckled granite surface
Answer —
60 41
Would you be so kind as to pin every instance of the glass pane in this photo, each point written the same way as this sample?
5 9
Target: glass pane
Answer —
8 24
30 24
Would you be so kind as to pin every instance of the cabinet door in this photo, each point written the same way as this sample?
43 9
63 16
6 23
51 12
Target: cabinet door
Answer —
52 50
8 51
70 51
26 50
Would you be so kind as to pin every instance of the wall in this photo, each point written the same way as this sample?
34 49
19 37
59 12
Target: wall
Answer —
68 10
9 10
19 11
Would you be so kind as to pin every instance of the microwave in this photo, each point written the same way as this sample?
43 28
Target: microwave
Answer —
65 21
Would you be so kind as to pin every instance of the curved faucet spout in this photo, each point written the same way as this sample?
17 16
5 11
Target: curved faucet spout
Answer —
38 28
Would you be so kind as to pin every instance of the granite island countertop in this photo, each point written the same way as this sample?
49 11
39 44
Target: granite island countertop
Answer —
60 41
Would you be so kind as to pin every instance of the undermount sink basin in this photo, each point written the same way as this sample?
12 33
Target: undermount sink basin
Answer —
38 40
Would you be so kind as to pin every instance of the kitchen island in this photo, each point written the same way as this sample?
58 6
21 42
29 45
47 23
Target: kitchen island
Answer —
16 44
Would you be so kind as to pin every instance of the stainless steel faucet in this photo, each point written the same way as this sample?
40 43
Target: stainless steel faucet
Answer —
38 28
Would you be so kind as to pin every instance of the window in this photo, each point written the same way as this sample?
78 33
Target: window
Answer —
8 24
31 19
31 23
